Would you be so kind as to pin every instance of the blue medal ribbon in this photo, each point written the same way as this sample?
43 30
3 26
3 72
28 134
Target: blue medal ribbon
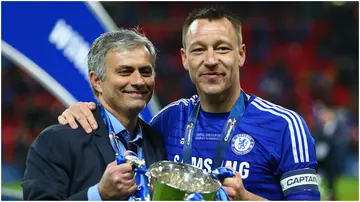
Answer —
227 133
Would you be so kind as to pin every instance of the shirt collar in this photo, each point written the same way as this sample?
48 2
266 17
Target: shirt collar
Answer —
118 127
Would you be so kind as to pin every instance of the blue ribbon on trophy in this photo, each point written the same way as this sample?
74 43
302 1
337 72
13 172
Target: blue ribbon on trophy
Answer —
220 174
221 195
139 167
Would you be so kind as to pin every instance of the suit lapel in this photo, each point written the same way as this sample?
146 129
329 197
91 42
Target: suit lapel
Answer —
148 148
102 139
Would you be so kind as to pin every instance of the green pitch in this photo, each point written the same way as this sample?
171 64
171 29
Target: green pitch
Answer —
15 186
346 189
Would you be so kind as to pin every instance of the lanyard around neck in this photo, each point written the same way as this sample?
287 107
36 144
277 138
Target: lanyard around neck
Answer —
229 128
114 139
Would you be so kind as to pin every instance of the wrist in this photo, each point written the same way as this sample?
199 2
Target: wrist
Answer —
101 193
244 195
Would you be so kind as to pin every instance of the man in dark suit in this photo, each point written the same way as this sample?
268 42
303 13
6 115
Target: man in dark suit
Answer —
63 163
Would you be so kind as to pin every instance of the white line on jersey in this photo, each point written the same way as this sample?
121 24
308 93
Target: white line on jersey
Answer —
183 100
292 137
298 133
299 122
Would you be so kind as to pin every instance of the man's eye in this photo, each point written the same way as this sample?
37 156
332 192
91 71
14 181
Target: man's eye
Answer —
146 73
223 49
197 50
125 72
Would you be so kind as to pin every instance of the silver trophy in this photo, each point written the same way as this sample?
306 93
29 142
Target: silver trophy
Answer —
174 181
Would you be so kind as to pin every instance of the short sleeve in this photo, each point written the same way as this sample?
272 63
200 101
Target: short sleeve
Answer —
298 165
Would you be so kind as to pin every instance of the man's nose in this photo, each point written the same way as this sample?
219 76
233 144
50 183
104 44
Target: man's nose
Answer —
137 79
211 58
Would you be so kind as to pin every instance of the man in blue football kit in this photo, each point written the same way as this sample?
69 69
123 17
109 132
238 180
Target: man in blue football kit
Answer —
269 147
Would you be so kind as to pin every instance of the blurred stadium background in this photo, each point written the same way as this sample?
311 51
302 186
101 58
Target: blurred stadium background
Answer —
303 56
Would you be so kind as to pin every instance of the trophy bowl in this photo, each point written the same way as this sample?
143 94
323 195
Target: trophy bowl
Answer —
173 181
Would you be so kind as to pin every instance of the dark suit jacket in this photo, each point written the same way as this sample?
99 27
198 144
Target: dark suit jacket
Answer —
62 163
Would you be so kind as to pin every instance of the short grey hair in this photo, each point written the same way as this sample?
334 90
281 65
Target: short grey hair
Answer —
120 40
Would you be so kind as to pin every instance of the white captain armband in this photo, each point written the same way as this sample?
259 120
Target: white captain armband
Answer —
296 180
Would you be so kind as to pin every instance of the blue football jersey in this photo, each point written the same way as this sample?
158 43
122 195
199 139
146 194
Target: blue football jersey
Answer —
271 146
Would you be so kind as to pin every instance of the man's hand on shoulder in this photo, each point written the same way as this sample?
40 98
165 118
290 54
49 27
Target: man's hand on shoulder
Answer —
80 112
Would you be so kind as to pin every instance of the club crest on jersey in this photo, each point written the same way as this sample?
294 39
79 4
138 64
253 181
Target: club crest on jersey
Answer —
242 144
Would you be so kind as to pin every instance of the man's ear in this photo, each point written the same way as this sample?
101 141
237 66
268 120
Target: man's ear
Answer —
184 59
95 82
242 54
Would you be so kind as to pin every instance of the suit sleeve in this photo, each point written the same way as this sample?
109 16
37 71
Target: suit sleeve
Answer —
298 164
48 168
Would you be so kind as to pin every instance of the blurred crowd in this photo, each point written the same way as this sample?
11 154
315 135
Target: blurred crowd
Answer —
303 56
26 109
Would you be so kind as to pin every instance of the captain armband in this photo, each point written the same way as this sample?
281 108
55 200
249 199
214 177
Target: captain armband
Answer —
296 180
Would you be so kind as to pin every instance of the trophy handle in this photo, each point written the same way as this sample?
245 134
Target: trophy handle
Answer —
140 169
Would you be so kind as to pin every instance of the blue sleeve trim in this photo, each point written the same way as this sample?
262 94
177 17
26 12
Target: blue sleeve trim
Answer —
304 195
308 187
93 193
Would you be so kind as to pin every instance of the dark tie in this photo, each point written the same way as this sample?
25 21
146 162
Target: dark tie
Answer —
124 137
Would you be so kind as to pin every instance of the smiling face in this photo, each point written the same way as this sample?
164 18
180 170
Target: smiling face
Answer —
213 56
129 80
